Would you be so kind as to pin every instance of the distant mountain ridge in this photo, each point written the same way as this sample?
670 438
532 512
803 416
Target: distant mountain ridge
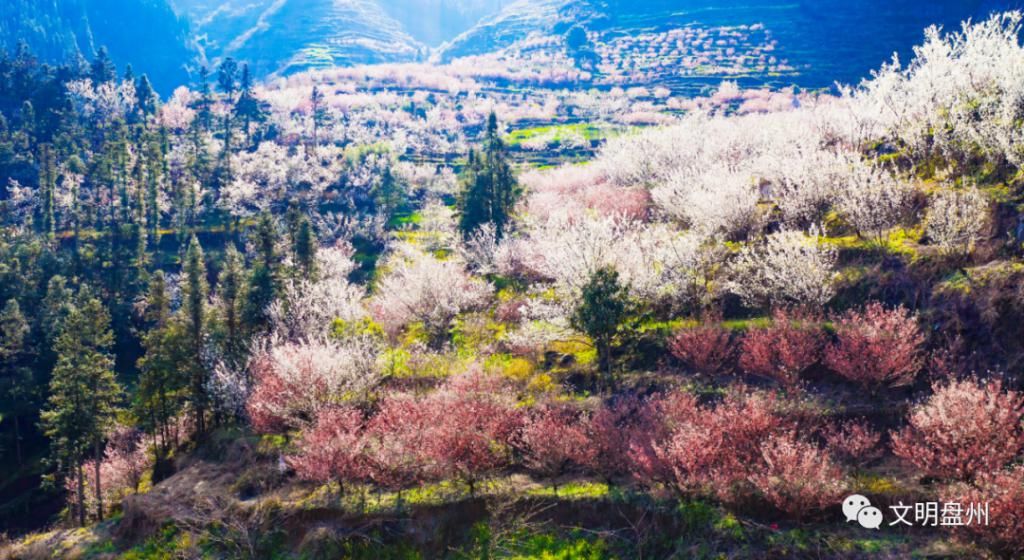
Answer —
148 34
826 40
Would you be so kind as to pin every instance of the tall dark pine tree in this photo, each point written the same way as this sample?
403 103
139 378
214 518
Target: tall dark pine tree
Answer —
489 187
204 105
305 247
193 310
102 69
316 101
47 185
248 107
263 281
231 289
162 383
83 394
16 383
227 82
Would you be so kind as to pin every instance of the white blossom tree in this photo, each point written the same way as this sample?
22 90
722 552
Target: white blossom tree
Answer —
788 267
956 219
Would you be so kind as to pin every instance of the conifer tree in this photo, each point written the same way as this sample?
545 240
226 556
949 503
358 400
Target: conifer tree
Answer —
102 68
263 281
45 221
83 394
305 247
489 188
194 317
603 306
232 292
16 383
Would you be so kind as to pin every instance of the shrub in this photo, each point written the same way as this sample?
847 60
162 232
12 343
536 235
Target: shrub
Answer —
332 449
553 440
792 343
854 442
609 430
1003 492
798 477
966 428
876 346
704 349
720 447
657 419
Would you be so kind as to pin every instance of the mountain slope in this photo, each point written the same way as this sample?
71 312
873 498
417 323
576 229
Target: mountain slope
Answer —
286 36
147 34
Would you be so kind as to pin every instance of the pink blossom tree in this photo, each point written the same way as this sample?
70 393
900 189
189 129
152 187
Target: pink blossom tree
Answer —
706 348
471 422
332 450
1002 493
876 346
855 442
782 351
964 429
797 477
553 440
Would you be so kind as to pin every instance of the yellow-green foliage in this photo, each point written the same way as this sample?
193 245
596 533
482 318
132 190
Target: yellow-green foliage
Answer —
366 326
879 485
511 367
585 490
581 350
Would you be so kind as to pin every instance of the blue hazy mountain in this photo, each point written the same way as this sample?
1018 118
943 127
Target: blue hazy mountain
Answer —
147 34
286 36
825 40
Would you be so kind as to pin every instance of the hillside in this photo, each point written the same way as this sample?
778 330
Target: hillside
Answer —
604 292
58 31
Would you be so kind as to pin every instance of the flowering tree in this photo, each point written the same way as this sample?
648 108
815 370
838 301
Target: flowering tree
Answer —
720 448
421 287
876 346
610 431
964 429
855 442
872 199
125 461
956 219
396 442
293 382
554 439
798 477
307 307
705 349
1003 493
782 351
471 422
332 450
788 267
657 419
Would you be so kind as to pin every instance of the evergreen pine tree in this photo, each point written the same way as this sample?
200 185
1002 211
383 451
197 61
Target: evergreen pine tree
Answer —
489 187
232 291
83 393
17 387
305 247
603 306
102 68
193 312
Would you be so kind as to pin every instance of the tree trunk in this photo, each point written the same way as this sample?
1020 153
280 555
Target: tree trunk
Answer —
17 439
81 495
99 484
